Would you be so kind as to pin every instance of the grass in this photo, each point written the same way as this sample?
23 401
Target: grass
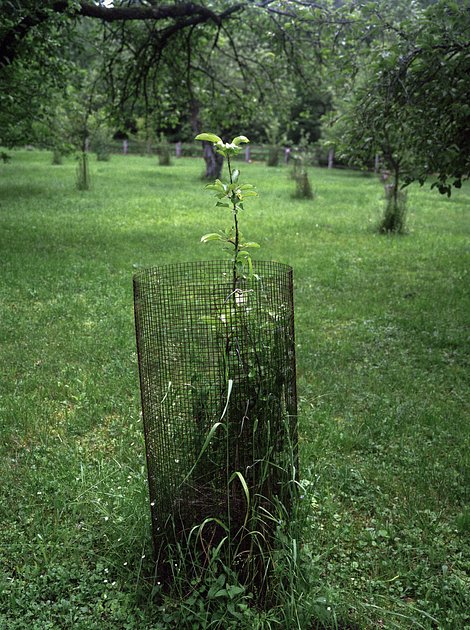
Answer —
382 326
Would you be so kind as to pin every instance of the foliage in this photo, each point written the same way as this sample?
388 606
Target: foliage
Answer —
255 346
231 195
38 57
101 143
431 86
410 102
145 133
187 65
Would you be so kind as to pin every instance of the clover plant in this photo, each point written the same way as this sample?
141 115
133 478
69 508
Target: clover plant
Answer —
231 194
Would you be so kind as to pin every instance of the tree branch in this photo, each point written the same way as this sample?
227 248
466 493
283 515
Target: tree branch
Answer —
149 12
182 15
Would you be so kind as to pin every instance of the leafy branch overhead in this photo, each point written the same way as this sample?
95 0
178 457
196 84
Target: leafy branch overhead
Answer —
231 195
173 16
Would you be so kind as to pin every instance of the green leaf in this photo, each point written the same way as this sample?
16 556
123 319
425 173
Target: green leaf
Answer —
219 183
208 137
238 475
218 187
246 186
239 139
213 236
250 193
234 590
251 244
222 204
209 437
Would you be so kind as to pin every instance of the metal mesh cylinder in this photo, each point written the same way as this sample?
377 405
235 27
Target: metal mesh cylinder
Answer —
217 374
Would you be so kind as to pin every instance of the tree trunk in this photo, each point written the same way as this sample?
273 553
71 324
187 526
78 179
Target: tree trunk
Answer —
214 162
395 201
331 157
376 163
396 184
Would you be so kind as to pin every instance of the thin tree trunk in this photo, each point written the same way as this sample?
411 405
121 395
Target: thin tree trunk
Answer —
396 183
376 163
214 162
331 157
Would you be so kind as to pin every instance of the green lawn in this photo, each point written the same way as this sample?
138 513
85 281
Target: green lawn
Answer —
383 336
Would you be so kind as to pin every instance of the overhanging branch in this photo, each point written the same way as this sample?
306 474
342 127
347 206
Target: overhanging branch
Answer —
180 17
149 12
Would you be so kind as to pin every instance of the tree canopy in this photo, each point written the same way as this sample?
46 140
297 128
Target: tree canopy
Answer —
411 101
396 72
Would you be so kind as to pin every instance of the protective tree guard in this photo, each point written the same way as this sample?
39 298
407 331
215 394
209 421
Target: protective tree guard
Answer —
218 390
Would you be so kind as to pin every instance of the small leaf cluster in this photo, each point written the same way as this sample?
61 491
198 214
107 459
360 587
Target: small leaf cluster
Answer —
230 195
232 192
227 149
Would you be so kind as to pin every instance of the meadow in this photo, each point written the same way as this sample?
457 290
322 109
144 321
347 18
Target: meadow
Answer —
383 340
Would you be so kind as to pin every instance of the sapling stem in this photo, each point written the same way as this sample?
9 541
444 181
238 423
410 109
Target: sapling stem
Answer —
230 195
236 243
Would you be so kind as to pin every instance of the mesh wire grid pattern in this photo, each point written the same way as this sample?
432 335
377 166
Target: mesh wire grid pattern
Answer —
218 388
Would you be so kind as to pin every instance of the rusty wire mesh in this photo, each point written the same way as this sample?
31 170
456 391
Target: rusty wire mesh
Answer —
217 375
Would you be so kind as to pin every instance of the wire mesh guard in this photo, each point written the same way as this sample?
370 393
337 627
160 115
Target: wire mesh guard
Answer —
217 374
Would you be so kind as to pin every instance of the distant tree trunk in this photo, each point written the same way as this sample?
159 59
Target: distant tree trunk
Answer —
396 184
376 163
394 218
331 157
214 162
273 155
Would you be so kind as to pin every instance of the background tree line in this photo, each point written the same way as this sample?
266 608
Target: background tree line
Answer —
381 80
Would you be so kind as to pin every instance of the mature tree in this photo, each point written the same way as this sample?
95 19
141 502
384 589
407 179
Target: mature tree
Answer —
20 19
411 102
34 59
226 76
153 53
431 85
29 81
